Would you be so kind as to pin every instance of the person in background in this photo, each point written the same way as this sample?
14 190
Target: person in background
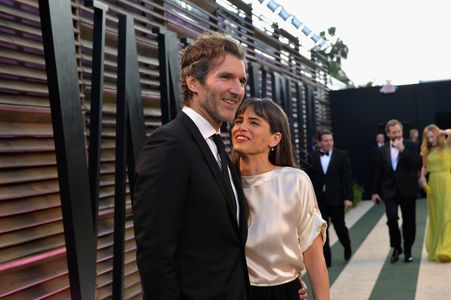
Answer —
395 181
436 152
414 138
413 135
380 142
286 231
332 179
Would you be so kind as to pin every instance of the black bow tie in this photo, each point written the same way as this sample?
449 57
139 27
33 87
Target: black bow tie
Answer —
324 153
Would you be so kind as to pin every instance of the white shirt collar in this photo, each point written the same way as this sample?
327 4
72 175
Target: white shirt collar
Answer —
205 128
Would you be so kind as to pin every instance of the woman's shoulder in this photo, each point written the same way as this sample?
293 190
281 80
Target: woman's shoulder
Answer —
294 172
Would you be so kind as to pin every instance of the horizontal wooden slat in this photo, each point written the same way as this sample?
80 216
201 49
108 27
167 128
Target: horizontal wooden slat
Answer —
26 145
22 73
32 219
20 27
21 14
21 160
24 100
22 175
129 268
28 249
24 87
43 268
25 130
29 204
30 234
28 190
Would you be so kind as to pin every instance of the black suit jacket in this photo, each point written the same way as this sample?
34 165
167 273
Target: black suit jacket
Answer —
189 245
404 180
337 180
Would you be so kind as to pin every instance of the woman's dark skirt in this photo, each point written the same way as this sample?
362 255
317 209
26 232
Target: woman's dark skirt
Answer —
286 291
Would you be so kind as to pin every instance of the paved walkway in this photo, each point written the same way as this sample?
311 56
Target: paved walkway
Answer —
370 275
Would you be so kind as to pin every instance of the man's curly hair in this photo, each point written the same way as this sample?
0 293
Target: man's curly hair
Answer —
199 57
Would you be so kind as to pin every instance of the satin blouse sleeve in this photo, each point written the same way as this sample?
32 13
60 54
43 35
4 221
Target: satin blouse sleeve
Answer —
310 222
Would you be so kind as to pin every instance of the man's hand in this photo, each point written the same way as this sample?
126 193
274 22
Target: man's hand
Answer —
303 295
347 203
375 198
397 143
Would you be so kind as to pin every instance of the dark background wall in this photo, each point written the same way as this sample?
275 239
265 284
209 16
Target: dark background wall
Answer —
358 114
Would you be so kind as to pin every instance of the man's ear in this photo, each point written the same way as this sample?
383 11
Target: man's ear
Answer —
192 83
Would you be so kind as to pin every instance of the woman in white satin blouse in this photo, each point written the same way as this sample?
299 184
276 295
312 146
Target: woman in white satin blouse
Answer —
286 230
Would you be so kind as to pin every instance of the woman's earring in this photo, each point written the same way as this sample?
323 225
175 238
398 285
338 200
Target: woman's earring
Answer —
272 148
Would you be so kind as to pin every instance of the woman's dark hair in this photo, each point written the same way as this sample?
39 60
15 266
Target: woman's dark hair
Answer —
265 108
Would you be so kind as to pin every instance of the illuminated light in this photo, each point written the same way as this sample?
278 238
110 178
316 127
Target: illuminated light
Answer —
296 23
272 5
306 30
284 14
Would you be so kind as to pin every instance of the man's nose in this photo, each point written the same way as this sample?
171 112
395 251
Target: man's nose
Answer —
236 88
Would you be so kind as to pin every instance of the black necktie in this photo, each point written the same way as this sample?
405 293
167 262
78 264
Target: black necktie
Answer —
324 153
225 171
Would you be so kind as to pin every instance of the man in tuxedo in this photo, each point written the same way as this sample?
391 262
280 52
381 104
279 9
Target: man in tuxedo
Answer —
395 181
332 179
189 217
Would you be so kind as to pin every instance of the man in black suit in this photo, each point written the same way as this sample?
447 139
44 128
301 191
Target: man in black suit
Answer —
395 181
332 180
189 217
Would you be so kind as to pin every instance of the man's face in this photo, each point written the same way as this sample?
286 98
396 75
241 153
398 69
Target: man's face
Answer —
413 134
327 142
219 97
394 132
380 139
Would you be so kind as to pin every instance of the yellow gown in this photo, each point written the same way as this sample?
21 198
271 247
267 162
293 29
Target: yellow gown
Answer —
438 231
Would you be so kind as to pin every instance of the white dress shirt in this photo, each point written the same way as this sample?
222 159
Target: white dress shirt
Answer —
394 154
325 160
207 131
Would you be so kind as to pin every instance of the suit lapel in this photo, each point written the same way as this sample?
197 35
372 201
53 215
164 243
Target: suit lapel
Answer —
211 161
388 156
331 161
241 201
317 162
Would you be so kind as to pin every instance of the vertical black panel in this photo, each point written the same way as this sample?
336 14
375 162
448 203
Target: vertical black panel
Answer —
136 133
279 91
288 105
95 125
264 82
311 117
169 67
125 26
275 87
303 148
68 128
254 82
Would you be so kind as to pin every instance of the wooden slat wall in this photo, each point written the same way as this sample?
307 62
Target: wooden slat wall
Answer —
32 249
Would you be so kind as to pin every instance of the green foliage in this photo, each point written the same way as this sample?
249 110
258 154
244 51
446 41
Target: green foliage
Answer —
358 192
335 54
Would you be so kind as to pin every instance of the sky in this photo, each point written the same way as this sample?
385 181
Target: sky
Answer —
402 41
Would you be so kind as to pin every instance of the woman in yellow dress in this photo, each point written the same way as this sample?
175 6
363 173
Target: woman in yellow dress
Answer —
436 152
